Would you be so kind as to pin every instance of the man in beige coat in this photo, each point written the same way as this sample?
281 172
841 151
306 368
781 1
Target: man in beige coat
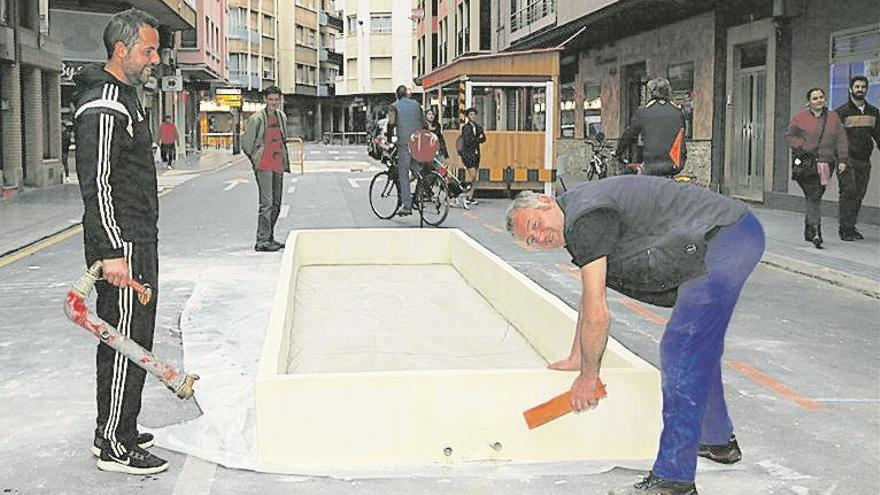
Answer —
265 143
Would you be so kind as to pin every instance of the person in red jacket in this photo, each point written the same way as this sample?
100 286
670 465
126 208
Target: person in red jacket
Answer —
167 138
816 133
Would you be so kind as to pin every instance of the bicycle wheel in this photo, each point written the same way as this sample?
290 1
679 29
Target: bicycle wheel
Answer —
384 195
433 196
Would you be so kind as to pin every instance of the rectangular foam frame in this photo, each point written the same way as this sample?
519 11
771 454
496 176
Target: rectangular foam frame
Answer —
378 419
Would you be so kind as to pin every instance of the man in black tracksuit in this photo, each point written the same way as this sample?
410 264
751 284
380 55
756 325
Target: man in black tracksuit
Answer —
658 123
862 123
117 176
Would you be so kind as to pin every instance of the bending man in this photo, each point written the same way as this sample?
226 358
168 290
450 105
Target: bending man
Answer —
668 244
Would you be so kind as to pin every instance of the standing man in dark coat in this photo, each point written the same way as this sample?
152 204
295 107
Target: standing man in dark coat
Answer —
862 123
408 118
668 244
117 177
660 123
473 136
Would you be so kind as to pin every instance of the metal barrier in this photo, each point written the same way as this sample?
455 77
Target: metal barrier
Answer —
296 152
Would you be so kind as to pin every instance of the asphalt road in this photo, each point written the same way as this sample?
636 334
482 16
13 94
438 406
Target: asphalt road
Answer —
802 376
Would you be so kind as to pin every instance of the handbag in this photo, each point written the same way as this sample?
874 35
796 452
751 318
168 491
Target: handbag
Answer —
804 165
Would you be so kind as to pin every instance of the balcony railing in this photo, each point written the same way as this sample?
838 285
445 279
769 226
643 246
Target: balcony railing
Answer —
533 11
330 18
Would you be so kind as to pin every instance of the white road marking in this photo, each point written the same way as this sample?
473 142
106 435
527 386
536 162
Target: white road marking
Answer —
332 152
285 209
290 191
354 181
294 179
195 477
234 182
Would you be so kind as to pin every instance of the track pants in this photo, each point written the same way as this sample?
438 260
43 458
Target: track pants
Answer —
694 410
120 382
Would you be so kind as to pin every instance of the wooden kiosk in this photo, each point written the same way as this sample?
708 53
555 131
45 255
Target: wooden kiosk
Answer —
516 95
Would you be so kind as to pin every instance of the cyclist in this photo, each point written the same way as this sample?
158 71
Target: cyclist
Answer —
408 118
660 123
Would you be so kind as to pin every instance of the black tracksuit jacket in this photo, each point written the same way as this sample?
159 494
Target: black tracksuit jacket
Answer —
114 163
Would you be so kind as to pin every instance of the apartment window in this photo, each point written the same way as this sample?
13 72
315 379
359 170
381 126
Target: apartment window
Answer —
352 25
268 68
2 17
526 12
188 39
380 67
237 21
306 74
26 17
309 4
268 25
311 38
380 23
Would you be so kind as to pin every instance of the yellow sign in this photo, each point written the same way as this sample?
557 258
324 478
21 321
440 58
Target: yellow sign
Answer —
229 100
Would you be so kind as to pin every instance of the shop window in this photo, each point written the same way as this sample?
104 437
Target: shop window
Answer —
511 108
681 78
566 111
47 115
449 110
592 109
855 52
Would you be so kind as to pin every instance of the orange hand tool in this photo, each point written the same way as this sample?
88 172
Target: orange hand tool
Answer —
556 407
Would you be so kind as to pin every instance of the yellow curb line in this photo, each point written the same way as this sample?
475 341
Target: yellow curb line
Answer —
41 244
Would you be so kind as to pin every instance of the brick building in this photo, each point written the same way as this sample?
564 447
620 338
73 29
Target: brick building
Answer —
30 122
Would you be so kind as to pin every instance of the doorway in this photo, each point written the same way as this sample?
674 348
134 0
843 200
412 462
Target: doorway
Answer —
749 120
635 94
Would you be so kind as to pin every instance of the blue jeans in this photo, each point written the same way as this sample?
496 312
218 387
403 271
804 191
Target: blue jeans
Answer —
694 410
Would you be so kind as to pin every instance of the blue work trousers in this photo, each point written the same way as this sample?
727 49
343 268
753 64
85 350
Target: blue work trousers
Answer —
694 410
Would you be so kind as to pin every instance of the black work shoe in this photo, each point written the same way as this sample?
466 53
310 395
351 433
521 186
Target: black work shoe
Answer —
858 235
266 246
655 485
404 212
135 461
279 244
144 441
722 454
847 235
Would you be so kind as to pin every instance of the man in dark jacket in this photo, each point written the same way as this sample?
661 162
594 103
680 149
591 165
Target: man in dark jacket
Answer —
408 118
660 123
862 123
117 176
668 244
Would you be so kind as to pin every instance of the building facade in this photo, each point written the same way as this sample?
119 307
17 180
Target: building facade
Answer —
30 67
309 65
378 46
201 60
253 45
739 71
448 29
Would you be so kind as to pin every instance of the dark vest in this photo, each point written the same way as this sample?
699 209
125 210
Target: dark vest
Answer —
665 230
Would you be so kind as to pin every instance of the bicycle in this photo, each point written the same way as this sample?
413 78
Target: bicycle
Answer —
430 195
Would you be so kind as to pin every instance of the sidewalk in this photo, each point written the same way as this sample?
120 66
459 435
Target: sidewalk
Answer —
30 216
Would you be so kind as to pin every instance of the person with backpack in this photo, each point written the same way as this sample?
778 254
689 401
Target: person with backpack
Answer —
468 147
694 254
661 126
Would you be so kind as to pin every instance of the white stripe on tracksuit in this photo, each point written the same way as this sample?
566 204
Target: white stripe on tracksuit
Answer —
120 363
102 179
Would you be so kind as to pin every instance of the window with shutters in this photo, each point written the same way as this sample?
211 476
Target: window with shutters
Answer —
854 52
